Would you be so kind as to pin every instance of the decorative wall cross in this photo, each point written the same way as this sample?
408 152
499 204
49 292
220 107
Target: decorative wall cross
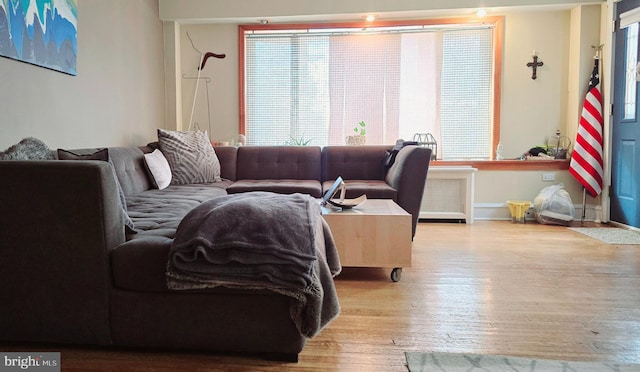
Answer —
534 65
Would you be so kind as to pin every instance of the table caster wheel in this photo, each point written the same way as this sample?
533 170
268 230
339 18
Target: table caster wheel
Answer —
396 273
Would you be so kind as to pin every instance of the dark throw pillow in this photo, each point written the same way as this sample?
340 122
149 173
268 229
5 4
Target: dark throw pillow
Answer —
103 155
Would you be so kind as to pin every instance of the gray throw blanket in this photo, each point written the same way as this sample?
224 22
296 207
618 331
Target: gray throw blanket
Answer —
261 240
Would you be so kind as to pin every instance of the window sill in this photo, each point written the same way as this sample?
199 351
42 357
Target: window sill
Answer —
506 165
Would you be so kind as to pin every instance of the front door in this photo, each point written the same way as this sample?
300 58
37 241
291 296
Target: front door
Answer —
625 125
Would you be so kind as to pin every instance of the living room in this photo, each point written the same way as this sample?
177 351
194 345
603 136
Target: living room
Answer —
130 70
132 55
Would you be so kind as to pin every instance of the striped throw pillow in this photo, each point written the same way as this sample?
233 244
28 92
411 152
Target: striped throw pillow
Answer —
190 156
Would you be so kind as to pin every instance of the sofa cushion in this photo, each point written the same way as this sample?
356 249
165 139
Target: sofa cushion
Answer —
354 162
158 168
278 163
130 168
228 157
139 264
373 189
158 212
311 187
190 155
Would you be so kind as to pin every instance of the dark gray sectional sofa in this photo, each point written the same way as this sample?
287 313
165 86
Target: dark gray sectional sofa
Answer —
70 274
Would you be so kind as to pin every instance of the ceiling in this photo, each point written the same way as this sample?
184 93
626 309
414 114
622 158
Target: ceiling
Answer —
294 11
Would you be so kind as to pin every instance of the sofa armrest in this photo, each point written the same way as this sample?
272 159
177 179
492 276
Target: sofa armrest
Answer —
408 176
228 157
59 220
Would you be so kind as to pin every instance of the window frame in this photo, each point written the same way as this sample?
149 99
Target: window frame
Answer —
497 22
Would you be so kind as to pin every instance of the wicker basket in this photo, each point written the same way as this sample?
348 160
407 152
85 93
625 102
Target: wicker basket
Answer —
356 140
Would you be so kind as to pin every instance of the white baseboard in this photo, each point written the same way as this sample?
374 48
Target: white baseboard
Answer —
500 212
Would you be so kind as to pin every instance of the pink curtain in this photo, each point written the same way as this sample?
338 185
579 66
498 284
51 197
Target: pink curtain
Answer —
420 85
364 85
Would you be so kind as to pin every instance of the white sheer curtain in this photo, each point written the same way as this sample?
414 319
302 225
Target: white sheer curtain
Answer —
364 82
420 82
390 81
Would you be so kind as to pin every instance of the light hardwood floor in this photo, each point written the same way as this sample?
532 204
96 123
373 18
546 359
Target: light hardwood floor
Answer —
490 287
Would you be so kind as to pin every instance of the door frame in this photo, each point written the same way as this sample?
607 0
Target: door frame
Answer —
611 25
606 82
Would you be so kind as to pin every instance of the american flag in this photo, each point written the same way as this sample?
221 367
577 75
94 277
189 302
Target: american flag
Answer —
586 160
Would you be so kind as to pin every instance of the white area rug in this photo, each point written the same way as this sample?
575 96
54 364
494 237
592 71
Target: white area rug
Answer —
445 362
610 235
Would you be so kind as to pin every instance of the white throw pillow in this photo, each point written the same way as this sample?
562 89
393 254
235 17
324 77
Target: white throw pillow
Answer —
159 169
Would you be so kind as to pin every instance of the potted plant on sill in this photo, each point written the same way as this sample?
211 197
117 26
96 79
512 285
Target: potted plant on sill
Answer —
293 141
359 138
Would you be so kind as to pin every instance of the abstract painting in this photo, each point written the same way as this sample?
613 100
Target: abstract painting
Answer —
41 32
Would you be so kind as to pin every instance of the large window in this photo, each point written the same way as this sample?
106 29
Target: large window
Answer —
314 83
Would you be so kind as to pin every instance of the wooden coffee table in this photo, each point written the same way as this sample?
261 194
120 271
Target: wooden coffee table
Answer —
376 233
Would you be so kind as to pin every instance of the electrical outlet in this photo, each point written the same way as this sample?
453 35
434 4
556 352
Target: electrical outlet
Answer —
548 177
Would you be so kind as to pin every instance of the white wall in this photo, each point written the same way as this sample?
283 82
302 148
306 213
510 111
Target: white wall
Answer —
532 110
223 74
117 97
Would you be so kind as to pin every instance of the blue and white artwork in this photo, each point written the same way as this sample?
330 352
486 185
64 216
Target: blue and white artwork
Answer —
41 32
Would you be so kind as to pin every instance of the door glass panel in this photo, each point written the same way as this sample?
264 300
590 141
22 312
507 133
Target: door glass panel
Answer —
631 68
